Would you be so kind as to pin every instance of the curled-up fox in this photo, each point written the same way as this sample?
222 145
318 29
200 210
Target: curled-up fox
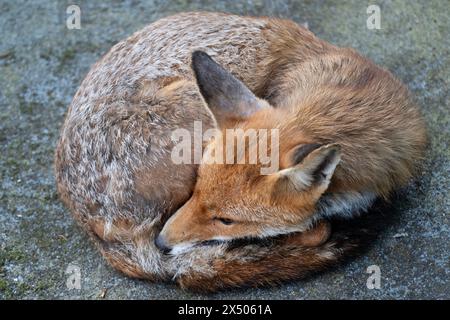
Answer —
347 134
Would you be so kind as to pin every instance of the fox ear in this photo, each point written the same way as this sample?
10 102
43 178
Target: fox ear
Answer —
315 167
227 97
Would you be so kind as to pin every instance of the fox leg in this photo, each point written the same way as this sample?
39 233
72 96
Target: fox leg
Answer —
313 237
283 259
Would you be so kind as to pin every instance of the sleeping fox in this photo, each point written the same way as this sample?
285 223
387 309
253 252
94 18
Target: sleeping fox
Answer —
348 134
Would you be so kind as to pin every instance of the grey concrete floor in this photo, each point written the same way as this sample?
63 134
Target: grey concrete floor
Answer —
42 63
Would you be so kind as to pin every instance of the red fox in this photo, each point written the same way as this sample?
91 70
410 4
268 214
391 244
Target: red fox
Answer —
348 133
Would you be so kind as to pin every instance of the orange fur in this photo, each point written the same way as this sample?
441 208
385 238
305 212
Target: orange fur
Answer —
114 171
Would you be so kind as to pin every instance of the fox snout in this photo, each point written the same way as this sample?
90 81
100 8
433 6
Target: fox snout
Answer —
180 232
162 245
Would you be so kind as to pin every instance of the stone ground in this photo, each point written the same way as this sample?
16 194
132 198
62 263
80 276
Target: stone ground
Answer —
42 63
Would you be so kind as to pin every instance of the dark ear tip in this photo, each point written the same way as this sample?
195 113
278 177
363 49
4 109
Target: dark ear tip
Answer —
199 55
303 151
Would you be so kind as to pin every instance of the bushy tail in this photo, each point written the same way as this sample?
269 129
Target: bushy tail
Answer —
272 262
244 263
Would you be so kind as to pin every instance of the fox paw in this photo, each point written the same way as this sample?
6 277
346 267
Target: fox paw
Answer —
313 237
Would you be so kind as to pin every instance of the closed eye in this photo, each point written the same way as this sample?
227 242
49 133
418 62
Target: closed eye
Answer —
225 221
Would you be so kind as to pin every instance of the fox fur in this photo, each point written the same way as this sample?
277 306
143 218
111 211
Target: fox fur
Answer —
113 166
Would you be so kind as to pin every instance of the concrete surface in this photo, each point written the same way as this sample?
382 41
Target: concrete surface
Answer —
42 63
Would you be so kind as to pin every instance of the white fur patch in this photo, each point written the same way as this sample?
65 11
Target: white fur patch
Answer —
346 205
221 238
181 248
300 179
326 255
271 232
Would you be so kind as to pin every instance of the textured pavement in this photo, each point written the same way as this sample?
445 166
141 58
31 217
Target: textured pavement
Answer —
42 63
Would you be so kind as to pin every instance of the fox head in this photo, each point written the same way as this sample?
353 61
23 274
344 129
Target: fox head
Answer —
232 201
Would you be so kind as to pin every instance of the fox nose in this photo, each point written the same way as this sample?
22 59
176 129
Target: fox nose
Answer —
161 244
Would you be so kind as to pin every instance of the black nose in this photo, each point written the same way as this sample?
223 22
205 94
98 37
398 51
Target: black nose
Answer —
161 244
